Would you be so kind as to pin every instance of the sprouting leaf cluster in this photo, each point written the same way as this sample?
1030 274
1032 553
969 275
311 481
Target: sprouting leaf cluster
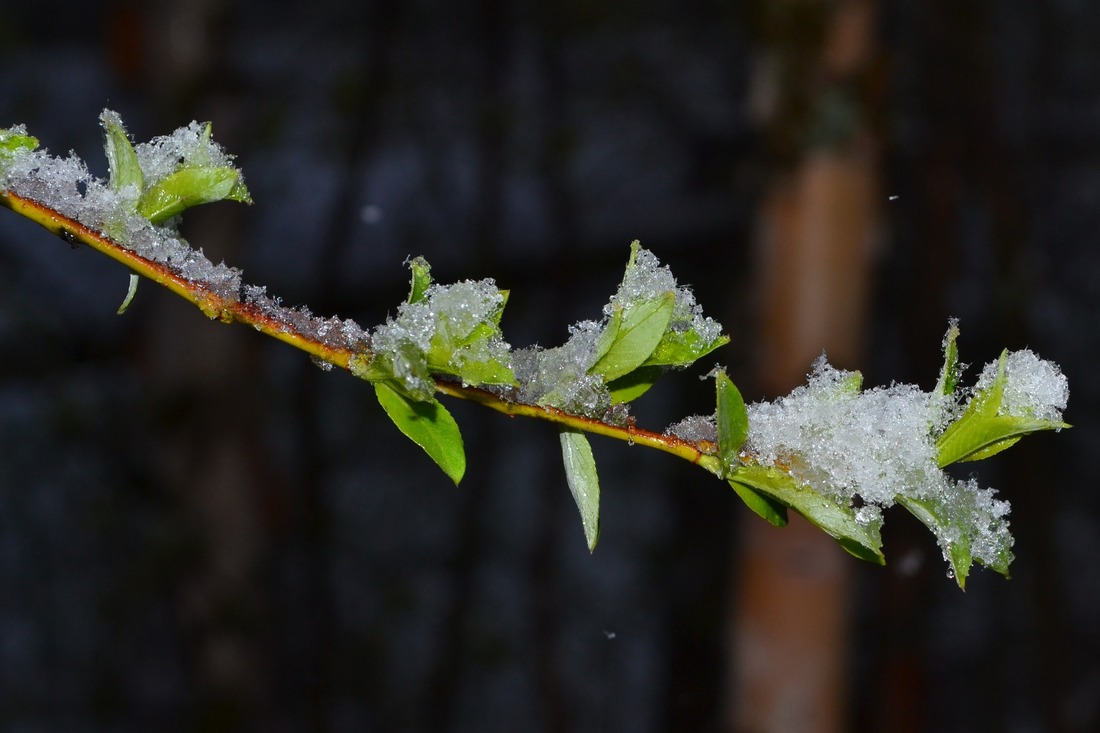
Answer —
453 333
179 171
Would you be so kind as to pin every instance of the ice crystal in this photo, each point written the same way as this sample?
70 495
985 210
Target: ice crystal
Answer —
695 428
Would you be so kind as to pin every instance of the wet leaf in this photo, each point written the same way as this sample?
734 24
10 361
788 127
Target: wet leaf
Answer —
632 386
682 348
839 521
631 336
189 187
580 472
770 509
429 425
733 423
122 161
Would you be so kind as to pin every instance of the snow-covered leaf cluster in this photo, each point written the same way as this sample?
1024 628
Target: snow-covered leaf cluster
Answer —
864 451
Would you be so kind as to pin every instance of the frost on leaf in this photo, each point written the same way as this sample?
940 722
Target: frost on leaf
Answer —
1034 387
448 329
649 325
66 186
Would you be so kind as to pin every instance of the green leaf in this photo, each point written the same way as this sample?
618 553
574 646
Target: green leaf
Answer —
951 520
770 509
733 423
421 279
839 521
15 138
980 432
682 348
429 425
631 336
189 187
632 386
949 375
131 291
479 369
580 472
122 160
957 552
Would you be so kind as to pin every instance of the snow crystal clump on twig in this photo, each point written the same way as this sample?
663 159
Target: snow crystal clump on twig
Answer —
186 147
695 428
973 514
874 444
559 376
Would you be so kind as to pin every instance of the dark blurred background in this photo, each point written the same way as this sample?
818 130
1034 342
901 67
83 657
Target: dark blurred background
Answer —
201 531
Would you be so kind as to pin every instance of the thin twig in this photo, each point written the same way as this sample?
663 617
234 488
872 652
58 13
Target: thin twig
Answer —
228 310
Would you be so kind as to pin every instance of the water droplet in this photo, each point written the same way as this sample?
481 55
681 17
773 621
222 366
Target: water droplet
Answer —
371 214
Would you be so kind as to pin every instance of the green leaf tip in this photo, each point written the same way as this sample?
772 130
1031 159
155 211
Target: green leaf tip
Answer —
429 425
584 484
949 374
131 291
122 162
16 139
421 279
733 422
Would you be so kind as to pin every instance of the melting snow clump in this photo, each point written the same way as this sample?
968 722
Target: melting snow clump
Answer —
559 376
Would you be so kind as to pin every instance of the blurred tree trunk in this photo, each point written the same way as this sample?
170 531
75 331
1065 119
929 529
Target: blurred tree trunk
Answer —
817 224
